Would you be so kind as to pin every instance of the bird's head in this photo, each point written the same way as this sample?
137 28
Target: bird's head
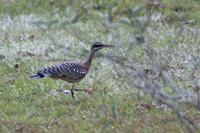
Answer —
99 45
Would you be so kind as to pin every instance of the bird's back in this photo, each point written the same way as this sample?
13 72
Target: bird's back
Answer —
69 71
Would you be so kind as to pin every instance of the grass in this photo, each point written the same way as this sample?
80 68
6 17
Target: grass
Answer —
34 37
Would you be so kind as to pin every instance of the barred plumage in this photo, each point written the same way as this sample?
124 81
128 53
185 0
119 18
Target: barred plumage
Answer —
70 71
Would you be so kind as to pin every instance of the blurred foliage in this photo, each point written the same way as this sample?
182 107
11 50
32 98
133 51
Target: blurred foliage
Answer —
181 10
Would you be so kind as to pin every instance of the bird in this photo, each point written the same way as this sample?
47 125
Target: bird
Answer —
71 71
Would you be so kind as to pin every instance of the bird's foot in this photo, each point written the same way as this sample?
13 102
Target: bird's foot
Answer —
66 92
90 91
54 92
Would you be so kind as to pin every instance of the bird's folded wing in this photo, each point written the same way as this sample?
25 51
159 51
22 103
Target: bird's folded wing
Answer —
66 69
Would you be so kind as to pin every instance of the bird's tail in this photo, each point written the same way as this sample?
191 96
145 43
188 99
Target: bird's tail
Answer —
39 75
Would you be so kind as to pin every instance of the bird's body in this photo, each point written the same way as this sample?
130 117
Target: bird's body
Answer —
70 71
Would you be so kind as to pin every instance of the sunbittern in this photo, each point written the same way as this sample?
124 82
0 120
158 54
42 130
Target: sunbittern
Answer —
70 71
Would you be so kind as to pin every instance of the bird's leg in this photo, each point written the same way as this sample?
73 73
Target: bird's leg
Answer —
72 91
89 91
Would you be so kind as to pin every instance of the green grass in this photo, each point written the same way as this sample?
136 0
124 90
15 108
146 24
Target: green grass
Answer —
45 33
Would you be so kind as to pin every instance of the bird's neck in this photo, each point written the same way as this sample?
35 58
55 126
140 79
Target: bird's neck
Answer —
88 62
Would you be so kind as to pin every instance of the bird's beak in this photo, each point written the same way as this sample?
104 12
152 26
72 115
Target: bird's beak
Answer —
108 46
